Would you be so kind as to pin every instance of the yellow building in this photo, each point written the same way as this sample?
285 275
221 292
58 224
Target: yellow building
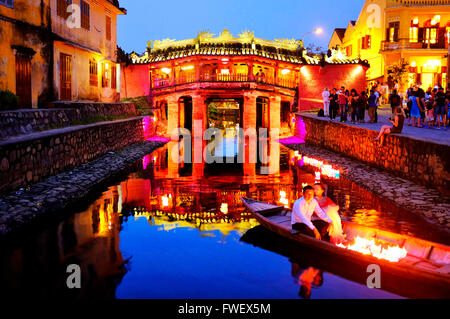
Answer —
25 67
85 50
389 31
59 50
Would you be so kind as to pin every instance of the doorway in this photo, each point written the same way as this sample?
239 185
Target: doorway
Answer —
427 80
23 81
66 77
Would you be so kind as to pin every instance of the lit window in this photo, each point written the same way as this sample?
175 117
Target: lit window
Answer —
413 34
430 35
106 75
7 3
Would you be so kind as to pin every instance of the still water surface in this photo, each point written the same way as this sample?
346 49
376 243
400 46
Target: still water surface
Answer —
175 231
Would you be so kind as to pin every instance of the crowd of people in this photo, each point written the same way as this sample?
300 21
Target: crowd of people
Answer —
428 109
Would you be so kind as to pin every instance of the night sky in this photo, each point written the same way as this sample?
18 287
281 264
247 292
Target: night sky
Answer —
275 19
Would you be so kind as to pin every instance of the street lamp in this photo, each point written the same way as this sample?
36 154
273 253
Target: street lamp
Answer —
316 31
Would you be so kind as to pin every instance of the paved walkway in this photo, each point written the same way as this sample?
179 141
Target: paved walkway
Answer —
424 134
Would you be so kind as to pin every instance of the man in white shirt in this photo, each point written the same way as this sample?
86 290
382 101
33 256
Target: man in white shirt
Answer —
302 212
326 102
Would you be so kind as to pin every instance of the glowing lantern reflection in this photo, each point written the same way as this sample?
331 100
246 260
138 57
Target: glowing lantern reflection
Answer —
370 247
283 199
224 208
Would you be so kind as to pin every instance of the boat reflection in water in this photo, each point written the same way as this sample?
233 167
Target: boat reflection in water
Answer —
307 279
176 231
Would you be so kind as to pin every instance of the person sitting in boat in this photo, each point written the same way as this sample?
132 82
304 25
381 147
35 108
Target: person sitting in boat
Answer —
302 212
332 210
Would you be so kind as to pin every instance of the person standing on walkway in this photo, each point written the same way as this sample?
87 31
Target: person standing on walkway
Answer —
395 101
343 100
334 104
362 107
420 93
372 105
415 109
354 106
326 102
440 109
377 102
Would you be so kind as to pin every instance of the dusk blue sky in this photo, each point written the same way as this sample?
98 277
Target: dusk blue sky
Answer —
275 19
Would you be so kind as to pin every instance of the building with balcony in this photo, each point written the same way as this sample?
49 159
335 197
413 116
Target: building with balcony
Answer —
228 82
59 50
391 31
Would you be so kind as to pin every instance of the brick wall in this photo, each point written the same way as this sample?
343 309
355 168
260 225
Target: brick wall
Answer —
423 162
13 123
24 160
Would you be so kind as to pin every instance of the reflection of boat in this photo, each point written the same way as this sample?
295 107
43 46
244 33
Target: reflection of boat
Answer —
427 264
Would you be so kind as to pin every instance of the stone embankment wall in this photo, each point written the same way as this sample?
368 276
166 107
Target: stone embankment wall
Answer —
423 162
30 158
13 123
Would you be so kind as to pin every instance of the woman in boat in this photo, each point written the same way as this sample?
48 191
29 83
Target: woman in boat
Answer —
332 210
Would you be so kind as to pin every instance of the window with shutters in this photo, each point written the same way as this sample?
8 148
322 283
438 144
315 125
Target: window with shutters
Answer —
61 8
85 15
93 73
366 42
108 28
349 51
7 3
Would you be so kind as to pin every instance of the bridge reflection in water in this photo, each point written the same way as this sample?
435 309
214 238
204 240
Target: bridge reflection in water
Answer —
177 231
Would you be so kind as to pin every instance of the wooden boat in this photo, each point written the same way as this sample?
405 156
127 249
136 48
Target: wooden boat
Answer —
427 264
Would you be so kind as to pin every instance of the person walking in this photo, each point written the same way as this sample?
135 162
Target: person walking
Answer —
326 102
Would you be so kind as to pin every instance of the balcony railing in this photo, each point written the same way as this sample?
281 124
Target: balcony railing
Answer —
231 78
389 46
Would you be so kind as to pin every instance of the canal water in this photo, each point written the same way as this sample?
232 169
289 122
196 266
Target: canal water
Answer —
180 231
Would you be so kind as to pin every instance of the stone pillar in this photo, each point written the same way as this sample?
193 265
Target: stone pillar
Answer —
275 112
173 114
250 71
249 120
198 130
249 123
